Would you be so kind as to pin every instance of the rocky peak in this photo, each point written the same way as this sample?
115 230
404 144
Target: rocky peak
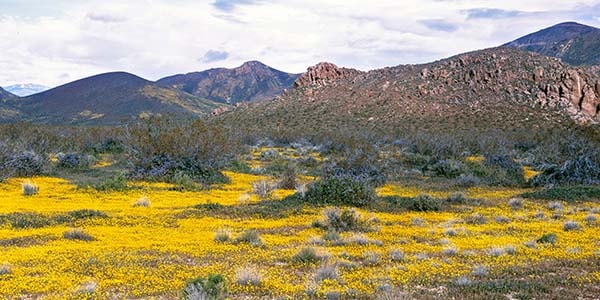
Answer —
323 73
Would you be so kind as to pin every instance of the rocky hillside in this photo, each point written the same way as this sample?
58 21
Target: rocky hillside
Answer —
106 99
252 81
573 43
499 89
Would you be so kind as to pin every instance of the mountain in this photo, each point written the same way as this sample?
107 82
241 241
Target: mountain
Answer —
107 99
501 90
4 94
573 43
26 89
252 81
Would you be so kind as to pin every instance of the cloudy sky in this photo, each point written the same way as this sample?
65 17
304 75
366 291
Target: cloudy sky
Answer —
54 42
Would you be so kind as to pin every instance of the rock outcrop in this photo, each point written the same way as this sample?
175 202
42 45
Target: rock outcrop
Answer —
324 73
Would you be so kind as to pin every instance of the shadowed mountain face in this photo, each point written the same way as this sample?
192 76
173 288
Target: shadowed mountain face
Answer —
573 43
253 81
5 94
501 89
105 99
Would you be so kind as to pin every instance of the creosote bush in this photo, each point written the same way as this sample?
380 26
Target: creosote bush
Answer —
159 148
346 219
342 190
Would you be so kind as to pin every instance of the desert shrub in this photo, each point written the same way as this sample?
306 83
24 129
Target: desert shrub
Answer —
30 188
582 170
457 198
571 225
288 178
397 255
78 234
307 256
591 219
87 289
223 236
338 220
248 276
250 237
516 203
422 202
263 189
328 271
86 214
142 202
497 170
115 183
21 220
480 271
74 160
567 193
467 180
340 190
159 148
476 219
448 168
239 166
548 238
108 145
183 182
5 269
213 287
21 163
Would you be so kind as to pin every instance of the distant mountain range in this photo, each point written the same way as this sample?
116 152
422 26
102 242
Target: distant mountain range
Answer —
26 89
252 81
110 98
498 88
573 43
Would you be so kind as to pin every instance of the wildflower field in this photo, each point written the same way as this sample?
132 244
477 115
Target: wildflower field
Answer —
149 240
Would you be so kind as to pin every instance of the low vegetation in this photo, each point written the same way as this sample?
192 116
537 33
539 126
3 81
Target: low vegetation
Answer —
329 216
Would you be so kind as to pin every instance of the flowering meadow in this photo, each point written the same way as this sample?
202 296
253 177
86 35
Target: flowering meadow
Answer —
150 240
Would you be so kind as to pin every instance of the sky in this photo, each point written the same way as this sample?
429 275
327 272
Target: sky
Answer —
55 42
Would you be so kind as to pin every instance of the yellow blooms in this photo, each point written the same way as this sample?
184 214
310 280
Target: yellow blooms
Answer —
151 251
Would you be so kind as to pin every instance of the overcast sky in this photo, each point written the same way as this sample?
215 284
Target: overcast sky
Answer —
54 42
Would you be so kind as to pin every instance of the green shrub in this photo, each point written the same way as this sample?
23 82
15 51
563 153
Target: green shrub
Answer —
422 202
306 256
340 191
86 214
567 193
116 183
212 287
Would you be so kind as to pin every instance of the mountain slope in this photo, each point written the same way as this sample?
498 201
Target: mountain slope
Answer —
252 81
4 94
26 89
573 43
494 90
109 98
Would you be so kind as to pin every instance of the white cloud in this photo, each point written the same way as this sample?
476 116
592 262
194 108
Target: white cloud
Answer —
160 38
